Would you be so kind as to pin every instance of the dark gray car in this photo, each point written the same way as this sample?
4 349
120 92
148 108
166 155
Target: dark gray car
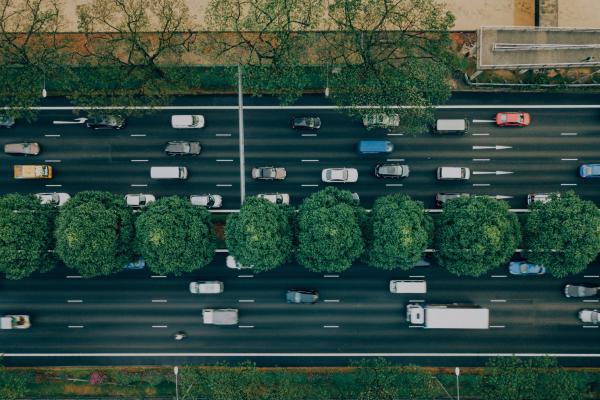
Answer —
391 170
580 291
297 296
183 148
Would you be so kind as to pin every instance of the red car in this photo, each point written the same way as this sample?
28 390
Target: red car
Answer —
513 119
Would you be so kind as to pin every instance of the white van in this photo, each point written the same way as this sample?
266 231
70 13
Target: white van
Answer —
458 126
410 286
168 173
453 173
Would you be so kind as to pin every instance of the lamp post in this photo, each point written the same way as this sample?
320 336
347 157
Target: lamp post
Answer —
44 92
327 84
176 371
457 373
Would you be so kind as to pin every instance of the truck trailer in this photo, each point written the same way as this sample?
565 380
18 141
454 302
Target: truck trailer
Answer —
220 316
448 316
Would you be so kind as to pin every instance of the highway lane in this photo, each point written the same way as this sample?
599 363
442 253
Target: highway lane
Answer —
135 313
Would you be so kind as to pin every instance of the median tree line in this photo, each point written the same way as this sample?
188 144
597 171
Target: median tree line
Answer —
97 234
144 52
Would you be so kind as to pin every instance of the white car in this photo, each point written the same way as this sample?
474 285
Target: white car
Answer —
591 316
207 200
55 199
206 287
139 200
344 175
230 262
275 198
187 121
453 173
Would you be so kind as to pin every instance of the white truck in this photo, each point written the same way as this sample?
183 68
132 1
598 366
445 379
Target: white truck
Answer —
448 316
14 322
220 316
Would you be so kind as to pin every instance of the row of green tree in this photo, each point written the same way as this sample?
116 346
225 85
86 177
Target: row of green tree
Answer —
97 234
141 53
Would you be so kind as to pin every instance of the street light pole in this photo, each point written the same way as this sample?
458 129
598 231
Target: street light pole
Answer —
457 373
176 371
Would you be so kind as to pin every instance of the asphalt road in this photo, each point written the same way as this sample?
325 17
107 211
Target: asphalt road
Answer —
116 315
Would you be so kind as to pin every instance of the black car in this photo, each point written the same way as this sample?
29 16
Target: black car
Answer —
312 123
106 122
391 170
302 296
183 148
6 121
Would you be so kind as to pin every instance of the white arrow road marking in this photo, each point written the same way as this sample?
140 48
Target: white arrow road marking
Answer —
501 197
478 121
492 172
497 147
75 121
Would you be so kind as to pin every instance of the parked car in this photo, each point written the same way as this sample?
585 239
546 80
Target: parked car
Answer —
580 291
391 170
268 173
275 198
139 263
206 287
513 119
109 121
207 200
336 175
540 197
6 121
589 170
296 296
523 268
443 198
55 199
231 262
453 173
182 148
381 120
312 123
139 200
590 316
22 149
187 121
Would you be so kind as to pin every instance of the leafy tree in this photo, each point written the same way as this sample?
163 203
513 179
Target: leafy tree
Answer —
329 225
30 53
401 232
475 235
25 236
129 66
270 39
15 385
175 237
223 382
389 53
94 233
563 234
259 235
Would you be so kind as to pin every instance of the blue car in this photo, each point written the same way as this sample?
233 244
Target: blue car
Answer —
589 170
523 268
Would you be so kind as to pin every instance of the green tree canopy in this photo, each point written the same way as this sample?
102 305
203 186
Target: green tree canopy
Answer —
174 236
389 53
563 234
475 235
260 234
329 226
94 233
26 228
401 231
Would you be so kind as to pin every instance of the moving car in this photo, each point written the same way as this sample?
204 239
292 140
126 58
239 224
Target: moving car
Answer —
55 199
275 198
343 175
391 170
15 322
296 296
207 200
408 286
591 316
312 123
22 149
443 198
32 171
523 268
231 262
513 119
139 263
540 197
451 126
139 200
453 173
268 173
109 121
589 170
381 120
206 287
580 291
187 121
182 148
6 121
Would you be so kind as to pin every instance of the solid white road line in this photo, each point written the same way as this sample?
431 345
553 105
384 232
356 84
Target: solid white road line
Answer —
310 160
568 134
246 301
139 160
568 159
74 301
158 276
139 185
590 326
224 185
591 301
331 301
568 184
331 276
345 355
138 135
479 121
591 276
52 135
309 185
499 276
75 326
159 301
245 276
225 160
160 326
74 276
331 326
